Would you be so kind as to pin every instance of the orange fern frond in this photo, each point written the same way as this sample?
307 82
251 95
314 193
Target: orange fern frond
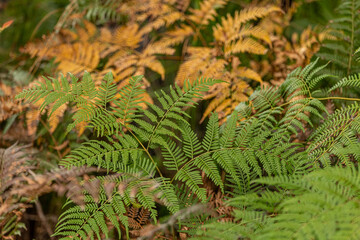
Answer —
232 36
56 116
247 45
76 58
32 120
206 12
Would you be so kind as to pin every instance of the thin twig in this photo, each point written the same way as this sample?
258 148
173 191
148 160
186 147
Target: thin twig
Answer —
43 218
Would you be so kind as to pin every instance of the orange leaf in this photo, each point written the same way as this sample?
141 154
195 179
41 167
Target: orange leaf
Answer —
6 25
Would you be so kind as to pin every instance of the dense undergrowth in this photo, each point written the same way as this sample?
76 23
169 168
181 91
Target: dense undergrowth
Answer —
166 119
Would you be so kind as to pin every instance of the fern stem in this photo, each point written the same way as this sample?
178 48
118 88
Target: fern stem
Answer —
163 118
339 98
147 152
326 98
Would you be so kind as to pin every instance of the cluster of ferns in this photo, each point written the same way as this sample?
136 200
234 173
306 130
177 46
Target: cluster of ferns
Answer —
284 163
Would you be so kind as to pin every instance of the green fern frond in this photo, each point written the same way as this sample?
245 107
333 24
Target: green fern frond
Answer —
340 51
301 82
107 90
337 135
172 105
352 81
127 105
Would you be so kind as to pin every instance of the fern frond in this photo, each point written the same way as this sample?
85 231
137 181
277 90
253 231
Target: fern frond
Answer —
345 38
339 128
172 105
206 12
231 28
350 81
321 199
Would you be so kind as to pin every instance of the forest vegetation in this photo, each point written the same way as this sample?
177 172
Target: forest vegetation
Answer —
180 119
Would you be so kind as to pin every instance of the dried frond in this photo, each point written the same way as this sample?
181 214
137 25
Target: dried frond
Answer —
81 50
232 28
8 105
199 61
138 217
234 35
21 182
156 13
288 55
178 35
206 12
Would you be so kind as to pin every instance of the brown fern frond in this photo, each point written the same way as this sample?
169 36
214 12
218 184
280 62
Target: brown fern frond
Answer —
21 182
8 105
143 216
138 218
32 120
286 55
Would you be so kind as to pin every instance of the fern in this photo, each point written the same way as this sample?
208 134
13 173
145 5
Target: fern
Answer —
116 193
231 157
303 207
345 29
317 187
229 42
100 11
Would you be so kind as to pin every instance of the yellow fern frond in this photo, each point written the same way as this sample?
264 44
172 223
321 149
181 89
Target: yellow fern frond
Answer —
165 20
67 35
206 12
158 48
225 35
253 13
178 35
153 64
221 98
87 32
225 97
156 13
243 72
215 68
76 58
121 75
56 116
127 36
80 128
247 45
198 60
32 120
